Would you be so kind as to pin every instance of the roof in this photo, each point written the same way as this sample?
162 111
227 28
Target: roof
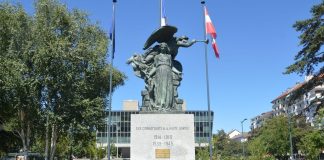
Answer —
264 115
245 135
233 130
267 114
296 87
317 76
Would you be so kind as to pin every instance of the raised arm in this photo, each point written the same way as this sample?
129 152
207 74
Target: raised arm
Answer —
185 43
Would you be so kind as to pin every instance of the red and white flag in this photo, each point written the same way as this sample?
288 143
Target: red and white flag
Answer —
210 29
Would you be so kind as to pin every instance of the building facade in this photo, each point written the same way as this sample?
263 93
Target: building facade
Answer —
120 130
306 105
258 121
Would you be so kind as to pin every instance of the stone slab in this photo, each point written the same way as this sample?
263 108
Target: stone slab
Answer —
162 136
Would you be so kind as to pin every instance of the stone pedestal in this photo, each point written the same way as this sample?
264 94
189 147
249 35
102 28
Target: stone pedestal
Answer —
162 136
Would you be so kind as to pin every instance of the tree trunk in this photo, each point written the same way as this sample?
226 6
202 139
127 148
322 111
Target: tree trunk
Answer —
24 131
28 136
53 141
46 138
27 139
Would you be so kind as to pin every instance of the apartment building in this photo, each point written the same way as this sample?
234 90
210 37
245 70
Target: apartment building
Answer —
305 105
258 121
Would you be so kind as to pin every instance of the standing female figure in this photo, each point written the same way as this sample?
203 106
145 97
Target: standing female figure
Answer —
163 80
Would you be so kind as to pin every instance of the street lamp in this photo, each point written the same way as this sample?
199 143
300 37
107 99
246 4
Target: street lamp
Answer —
290 136
243 152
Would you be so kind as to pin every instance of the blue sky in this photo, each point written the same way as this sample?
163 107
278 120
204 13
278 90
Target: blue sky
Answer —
255 38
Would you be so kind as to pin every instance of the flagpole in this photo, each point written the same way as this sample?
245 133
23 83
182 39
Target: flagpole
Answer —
110 79
207 85
160 18
162 13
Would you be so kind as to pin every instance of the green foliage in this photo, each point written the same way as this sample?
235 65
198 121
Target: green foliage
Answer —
202 153
309 60
272 139
83 148
71 65
256 149
63 147
312 144
100 152
19 92
225 148
275 137
113 150
300 129
312 39
68 144
54 63
9 142
319 120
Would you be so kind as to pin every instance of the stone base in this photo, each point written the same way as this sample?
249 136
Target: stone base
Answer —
162 136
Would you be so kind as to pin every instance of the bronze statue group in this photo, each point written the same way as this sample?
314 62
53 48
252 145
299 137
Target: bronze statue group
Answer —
159 69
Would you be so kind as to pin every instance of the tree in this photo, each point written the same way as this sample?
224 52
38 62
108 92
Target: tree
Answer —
275 135
312 143
18 84
226 148
319 118
256 148
312 39
219 141
70 63
202 153
54 65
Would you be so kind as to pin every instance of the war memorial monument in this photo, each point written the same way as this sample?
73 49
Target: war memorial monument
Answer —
161 129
